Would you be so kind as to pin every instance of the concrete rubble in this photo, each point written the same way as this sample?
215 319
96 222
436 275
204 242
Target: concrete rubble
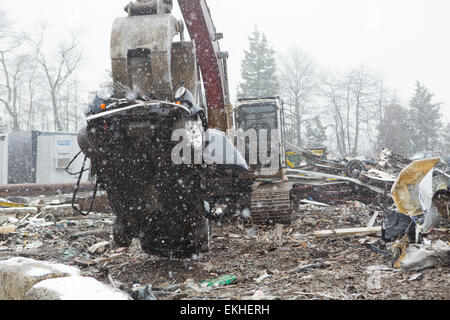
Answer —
73 288
18 275
28 279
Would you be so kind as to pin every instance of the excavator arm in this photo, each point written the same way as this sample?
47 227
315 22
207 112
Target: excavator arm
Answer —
212 61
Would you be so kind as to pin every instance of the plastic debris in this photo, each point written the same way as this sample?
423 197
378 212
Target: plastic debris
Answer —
99 248
262 277
220 281
258 295
415 277
143 293
261 295
421 256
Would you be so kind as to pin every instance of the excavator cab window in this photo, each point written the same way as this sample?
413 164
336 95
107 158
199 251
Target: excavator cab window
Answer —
259 116
257 122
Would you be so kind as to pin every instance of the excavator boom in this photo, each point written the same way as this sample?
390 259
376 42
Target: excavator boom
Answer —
201 29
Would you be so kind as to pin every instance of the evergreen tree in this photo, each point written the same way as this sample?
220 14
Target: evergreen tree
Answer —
425 120
445 140
258 69
394 131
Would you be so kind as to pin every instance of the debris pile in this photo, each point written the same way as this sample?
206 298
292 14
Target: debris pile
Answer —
344 241
44 222
327 252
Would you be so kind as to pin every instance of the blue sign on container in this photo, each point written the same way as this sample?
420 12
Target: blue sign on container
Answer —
63 142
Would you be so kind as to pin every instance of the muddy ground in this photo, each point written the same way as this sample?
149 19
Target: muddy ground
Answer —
292 264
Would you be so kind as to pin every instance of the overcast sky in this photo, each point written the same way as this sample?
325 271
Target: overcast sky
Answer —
408 40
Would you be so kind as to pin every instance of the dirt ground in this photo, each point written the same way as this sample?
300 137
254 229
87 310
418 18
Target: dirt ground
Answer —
267 264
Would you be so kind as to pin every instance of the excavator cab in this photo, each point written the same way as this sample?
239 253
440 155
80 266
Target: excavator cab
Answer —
260 135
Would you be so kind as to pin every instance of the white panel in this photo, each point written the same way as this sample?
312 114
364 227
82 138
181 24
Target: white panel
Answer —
54 153
3 159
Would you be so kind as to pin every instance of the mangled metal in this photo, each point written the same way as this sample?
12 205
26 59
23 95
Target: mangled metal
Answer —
422 256
417 190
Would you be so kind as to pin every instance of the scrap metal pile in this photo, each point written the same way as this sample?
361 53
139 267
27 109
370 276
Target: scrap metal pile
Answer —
413 196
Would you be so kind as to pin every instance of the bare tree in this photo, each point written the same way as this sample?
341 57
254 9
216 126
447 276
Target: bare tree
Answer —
297 74
13 64
331 90
13 73
31 92
71 104
364 91
57 68
378 113
5 25
351 97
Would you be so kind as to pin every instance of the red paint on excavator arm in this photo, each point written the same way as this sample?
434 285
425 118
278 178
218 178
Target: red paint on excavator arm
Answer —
201 29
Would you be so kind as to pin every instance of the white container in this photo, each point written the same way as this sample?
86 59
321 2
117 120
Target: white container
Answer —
3 159
41 157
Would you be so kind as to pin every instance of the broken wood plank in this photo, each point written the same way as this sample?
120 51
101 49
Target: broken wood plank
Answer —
32 253
324 220
98 232
88 262
24 218
84 262
89 217
347 232
307 267
7 230
305 201
373 219
314 294
19 211
278 234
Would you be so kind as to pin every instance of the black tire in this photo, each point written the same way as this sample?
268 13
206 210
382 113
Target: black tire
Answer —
122 234
127 223
353 168
178 230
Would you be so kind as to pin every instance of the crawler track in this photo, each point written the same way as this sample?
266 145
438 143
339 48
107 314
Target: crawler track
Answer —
272 204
